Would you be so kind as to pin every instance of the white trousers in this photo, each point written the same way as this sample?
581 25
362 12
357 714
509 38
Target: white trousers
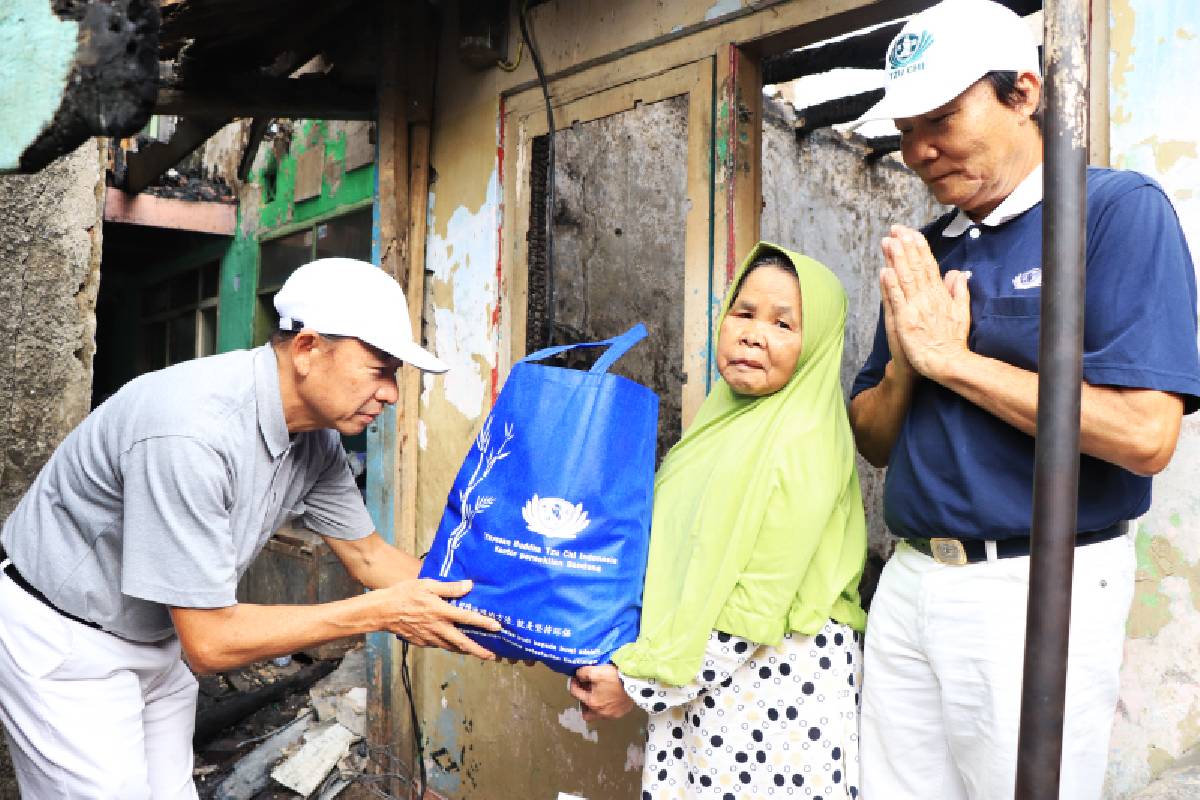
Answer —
943 666
89 715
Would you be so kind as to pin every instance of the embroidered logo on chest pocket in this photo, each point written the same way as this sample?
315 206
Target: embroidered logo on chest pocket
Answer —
1029 279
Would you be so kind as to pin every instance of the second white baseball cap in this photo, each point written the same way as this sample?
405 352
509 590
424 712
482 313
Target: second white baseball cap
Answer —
347 297
940 52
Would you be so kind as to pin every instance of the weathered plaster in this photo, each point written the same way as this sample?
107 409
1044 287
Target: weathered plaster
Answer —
1151 611
37 49
574 32
462 267
1148 78
1121 25
1180 782
50 237
572 720
721 8
1160 681
635 757
1154 64
1168 154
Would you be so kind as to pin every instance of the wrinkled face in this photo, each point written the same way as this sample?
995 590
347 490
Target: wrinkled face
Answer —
759 341
347 384
973 151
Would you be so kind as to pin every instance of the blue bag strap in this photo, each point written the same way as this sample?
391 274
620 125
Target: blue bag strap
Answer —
617 347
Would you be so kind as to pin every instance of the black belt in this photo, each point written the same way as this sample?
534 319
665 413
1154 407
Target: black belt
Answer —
971 551
10 569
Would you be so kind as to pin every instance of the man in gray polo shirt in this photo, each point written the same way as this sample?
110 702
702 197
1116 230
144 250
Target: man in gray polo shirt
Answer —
128 547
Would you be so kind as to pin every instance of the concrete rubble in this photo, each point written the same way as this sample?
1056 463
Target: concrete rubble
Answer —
304 770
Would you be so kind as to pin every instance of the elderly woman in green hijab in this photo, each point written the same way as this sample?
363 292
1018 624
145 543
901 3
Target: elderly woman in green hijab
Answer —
748 657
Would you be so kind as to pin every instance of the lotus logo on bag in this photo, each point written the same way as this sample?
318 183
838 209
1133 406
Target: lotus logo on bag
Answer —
554 517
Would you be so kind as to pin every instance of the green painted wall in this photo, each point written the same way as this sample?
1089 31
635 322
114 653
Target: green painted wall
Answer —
269 209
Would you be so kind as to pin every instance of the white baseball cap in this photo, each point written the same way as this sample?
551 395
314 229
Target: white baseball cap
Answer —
940 52
347 297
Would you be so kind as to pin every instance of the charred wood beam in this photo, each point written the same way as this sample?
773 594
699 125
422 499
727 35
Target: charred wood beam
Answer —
833 112
200 20
276 49
307 97
258 129
227 713
861 52
149 163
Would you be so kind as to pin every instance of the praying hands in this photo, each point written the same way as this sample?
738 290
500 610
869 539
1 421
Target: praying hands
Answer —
927 315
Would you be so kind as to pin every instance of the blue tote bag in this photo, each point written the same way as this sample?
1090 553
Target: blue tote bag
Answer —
550 512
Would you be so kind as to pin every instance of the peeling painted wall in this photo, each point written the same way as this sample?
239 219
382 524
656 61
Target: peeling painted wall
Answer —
343 178
822 198
1155 129
462 291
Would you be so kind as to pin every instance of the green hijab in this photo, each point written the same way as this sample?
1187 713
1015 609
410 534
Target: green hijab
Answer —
758 522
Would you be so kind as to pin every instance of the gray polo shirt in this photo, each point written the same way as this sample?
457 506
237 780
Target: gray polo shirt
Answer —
167 491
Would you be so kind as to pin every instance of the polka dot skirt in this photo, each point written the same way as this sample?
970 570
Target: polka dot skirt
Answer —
758 721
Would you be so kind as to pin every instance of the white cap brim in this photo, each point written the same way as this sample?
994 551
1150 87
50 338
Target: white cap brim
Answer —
419 357
895 105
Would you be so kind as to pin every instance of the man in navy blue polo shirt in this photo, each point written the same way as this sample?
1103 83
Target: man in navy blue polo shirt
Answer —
948 401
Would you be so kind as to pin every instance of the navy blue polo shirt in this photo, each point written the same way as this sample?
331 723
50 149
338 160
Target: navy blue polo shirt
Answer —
956 470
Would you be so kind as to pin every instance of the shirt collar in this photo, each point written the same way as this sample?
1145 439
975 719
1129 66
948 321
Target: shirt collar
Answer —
1027 195
269 401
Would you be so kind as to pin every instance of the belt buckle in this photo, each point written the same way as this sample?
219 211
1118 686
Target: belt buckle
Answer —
948 551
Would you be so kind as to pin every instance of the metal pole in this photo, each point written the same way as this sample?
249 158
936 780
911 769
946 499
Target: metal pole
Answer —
1060 370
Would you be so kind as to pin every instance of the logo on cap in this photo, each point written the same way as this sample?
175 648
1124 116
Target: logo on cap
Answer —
908 49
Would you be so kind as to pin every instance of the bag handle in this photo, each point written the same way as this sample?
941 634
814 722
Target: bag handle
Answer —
617 347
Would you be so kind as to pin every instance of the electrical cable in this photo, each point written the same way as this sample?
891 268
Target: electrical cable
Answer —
418 742
511 66
541 74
